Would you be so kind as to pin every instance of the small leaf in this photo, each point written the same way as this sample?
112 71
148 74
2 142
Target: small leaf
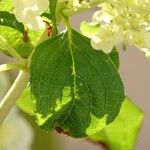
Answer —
74 87
16 40
25 103
9 19
6 5
89 29
123 132
46 15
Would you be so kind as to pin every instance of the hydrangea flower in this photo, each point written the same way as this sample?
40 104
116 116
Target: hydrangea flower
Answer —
28 12
106 38
74 5
127 20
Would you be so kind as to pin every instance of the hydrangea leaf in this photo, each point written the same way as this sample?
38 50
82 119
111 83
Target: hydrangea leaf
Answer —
74 87
123 132
9 19
89 29
16 40
6 5
25 102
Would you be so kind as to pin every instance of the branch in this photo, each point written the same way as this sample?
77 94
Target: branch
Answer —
10 49
14 92
6 67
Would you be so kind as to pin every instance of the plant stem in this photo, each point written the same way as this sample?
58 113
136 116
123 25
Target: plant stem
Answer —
14 92
10 49
6 67
52 8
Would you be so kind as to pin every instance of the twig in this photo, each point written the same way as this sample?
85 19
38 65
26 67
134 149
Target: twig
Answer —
14 92
6 67
10 49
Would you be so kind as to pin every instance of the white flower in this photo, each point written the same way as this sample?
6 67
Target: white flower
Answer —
106 38
105 15
126 21
76 4
28 12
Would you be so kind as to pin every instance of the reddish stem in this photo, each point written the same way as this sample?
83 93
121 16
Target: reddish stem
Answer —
25 36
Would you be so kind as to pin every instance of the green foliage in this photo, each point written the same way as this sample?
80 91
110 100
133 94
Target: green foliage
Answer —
25 103
74 87
6 5
9 19
123 132
22 42
17 41
89 29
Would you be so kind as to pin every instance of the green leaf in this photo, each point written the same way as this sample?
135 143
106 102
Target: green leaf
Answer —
16 40
9 19
25 102
74 87
6 5
46 15
53 8
123 132
23 45
89 29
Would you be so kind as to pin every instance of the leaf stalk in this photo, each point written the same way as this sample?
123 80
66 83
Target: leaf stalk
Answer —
13 94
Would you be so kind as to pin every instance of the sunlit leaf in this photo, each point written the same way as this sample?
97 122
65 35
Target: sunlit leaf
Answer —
123 132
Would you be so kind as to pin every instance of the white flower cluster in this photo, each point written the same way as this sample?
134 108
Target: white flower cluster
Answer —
123 21
28 12
76 4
